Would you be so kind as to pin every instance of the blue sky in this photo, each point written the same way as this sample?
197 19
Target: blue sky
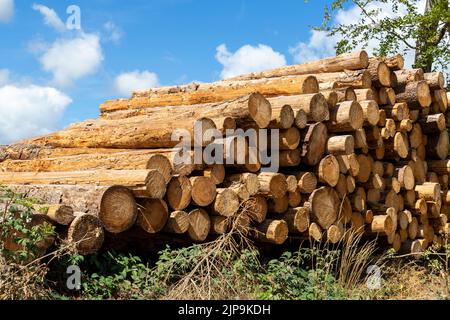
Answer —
51 77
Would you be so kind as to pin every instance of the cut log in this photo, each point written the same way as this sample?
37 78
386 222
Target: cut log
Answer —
429 191
347 116
386 96
226 203
435 80
341 145
289 139
395 62
290 158
382 224
307 182
272 184
347 61
291 183
58 213
250 180
118 209
297 219
314 105
203 191
437 145
152 215
278 205
398 111
86 233
199 225
328 171
357 79
282 118
315 232
314 142
434 123
223 91
405 176
331 96
334 234
177 223
441 167
219 225
397 146
409 75
179 192
364 94
294 198
380 73
370 111
272 231
256 208
324 206
416 94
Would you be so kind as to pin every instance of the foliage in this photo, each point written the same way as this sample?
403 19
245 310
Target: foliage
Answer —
426 33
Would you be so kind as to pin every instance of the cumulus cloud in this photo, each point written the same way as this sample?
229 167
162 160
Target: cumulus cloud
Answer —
29 111
126 83
112 32
51 18
248 59
71 59
4 76
6 10
320 45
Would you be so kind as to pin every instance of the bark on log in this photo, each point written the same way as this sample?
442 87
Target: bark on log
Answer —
86 233
314 105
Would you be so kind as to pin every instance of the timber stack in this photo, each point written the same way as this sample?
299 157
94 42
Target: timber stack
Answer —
362 144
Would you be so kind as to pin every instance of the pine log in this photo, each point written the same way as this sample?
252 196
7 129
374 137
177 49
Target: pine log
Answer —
328 171
434 123
290 158
324 206
347 61
364 94
272 231
250 180
177 223
226 203
203 191
341 145
282 118
370 112
437 145
314 141
435 80
152 215
346 117
179 193
386 96
272 184
416 94
297 219
256 208
86 233
314 105
357 79
118 209
395 62
278 205
380 73
199 225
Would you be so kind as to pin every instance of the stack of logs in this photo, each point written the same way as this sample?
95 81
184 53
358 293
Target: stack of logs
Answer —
363 146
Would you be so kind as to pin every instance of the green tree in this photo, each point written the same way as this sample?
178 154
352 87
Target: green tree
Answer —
425 31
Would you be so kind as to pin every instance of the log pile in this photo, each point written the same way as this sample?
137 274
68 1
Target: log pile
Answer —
362 145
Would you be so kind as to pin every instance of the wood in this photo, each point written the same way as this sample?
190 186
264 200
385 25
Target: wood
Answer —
282 118
219 225
118 209
437 145
315 232
347 61
306 182
58 213
278 205
395 62
203 191
256 208
297 219
86 233
397 146
324 206
410 75
357 79
314 142
179 193
289 139
177 223
415 94
226 203
272 184
314 105
386 96
152 215
199 225
364 94
434 123
328 171
428 191
380 73
223 91
290 158
341 145
382 224
294 198
435 80
370 112
347 116
250 180
272 231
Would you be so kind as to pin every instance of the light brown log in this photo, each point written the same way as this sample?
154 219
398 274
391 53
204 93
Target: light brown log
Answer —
357 79
226 203
256 208
118 209
380 73
219 225
203 191
395 62
405 176
341 186
334 234
357 222
397 146
351 184
272 231
435 80
341 145
433 123
307 182
360 140
152 215
413 228
373 137
429 191
294 198
347 116
365 167
314 142
297 219
409 75
290 158
399 111
289 139
58 213
328 171
382 224
349 164
331 96
199 225
405 126
179 193
86 233
315 232
416 94
347 61
250 180
282 118
324 206
441 167
386 96
278 205
364 94
272 184
437 145
343 94
370 111
291 183
222 91
314 105
177 223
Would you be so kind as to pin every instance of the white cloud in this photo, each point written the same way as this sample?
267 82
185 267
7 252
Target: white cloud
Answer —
4 76
248 59
29 111
126 83
6 10
320 45
71 59
51 18
113 32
